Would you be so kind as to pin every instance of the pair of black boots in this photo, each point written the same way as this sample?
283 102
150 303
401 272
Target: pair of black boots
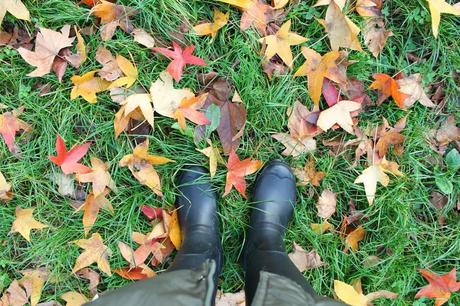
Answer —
274 197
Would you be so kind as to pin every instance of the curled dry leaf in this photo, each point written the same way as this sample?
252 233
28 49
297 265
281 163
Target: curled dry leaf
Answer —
140 163
387 139
87 86
326 204
447 132
295 146
281 42
342 32
213 153
237 170
369 8
352 240
144 38
48 43
95 251
25 222
309 174
110 70
5 189
91 207
412 87
10 125
113 16
304 260
128 69
136 273
375 35
211 28
92 276
355 297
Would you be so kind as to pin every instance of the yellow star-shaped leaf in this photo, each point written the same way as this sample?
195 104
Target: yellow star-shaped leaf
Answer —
25 222
436 8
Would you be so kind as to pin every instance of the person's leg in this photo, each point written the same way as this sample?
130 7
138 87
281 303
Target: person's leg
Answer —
197 211
274 198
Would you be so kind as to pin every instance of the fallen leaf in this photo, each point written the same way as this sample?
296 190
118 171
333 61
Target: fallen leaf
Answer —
5 189
318 67
113 16
369 8
232 123
180 58
76 60
436 8
211 28
144 38
352 240
91 208
15 8
33 281
173 230
412 87
140 163
110 70
191 109
99 177
152 213
95 251
342 32
295 146
255 12
10 125
279 4
237 170
87 86
281 42
73 298
211 152
440 287
15 295
340 3
304 260
93 277
308 174
377 173
321 228
387 139
375 35
68 160
326 204
354 297
165 98
302 122
48 43
340 114
25 222
447 132
136 273
387 86
129 70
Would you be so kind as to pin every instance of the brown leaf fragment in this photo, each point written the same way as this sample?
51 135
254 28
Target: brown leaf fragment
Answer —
308 174
304 260
110 70
353 239
93 277
143 38
230 299
295 146
369 8
326 204
375 35
232 123
412 87
387 139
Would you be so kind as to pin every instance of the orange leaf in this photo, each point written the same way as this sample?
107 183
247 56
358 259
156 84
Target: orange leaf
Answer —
354 238
91 208
237 170
439 287
136 273
387 86
10 125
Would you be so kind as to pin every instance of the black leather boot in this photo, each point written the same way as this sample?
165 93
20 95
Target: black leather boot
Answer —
274 198
197 211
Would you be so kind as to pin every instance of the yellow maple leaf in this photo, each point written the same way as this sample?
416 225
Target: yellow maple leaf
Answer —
87 86
211 28
339 114
15 8
281 42
214 156
91 207
128 69
73 298
436 8
34 280
353 295
95 252
140 163
25 222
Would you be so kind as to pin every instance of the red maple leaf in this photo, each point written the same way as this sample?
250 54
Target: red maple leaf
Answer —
440 286
180 59
237 170
68 160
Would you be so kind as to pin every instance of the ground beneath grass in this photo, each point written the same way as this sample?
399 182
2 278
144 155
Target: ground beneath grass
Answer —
402 226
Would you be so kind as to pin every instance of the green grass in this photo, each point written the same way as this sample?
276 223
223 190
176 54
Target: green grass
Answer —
402 227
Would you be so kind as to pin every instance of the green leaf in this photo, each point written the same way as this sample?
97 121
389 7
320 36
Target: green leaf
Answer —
444 184
453 160
213 114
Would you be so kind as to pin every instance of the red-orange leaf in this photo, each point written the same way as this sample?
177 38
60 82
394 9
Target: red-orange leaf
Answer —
439 287
237 170
387 86
9 126
136 273
68 160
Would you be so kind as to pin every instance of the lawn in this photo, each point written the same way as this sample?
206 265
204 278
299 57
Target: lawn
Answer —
403 227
